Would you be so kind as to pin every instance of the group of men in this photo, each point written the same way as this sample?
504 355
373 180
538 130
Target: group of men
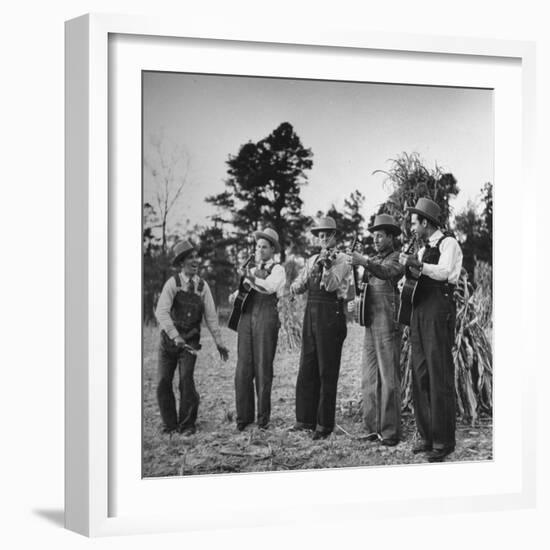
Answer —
186 299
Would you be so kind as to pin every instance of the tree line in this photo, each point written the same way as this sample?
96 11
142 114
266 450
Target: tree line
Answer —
263 189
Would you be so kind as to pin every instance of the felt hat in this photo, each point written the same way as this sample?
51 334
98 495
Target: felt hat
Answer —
385 222
181 250
269 235
324 224
427 208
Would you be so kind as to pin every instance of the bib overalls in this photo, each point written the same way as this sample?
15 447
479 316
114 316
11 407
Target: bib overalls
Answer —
324 332
258 332
186 312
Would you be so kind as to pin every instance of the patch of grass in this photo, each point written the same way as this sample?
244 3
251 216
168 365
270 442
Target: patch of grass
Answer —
218 447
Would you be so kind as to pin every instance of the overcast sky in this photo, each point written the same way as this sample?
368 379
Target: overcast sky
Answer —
351 128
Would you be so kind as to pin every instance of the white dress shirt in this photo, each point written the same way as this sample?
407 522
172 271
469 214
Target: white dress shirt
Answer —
273 283
450 260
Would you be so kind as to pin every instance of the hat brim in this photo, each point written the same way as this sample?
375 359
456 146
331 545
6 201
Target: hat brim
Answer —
424 214
393 229
316 230
262 235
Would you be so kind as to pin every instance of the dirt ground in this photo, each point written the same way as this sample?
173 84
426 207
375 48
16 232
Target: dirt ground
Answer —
218 447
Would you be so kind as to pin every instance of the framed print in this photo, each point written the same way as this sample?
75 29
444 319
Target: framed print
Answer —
192 150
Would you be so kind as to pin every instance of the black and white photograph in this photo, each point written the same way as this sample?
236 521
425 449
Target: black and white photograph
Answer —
316 274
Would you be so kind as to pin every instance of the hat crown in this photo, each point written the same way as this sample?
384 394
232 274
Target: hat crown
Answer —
271 233
385 222
428 206
384 219
325 223
181 248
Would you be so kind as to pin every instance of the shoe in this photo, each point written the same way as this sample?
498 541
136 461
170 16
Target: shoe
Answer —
241 426
167 430
389 442
372 437
422 448
300 428
187 430
263 426
438 455
320 435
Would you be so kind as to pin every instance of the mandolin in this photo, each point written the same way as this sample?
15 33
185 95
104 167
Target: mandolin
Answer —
239 304
407 292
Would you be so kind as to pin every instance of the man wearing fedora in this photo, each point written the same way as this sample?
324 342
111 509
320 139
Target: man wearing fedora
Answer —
439 263
381 380
184 301
325 277
258 332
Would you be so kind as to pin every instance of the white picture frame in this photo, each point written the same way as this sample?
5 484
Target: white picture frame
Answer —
94 229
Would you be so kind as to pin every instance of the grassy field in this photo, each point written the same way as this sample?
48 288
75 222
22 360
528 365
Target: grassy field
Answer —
218 447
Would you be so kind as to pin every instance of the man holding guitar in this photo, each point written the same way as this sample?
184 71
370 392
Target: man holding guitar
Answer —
258 330
381 382
432 331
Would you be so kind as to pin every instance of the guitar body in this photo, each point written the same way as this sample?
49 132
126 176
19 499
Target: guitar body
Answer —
406 302
239 305
407 292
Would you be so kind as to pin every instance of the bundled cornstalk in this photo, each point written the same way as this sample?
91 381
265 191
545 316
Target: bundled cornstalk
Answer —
291 310
472 351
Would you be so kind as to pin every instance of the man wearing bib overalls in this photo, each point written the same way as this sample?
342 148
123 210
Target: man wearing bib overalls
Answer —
258 332
184 301
326 278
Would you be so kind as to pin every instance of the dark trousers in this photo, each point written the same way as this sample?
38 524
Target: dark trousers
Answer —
323 335
432 337
171 357
257 342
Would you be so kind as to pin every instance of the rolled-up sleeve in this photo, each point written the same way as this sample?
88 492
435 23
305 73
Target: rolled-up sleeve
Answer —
210 315
274 282
449 264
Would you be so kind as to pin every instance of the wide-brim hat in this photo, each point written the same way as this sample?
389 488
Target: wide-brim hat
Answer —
427 208
269 235
324 224
181 250
385 222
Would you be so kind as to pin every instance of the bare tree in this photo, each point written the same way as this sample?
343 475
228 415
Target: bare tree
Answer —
166 170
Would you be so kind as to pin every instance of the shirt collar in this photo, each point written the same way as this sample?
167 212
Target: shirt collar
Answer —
185 278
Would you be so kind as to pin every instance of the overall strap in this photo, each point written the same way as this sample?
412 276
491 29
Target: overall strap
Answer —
445 235
177 279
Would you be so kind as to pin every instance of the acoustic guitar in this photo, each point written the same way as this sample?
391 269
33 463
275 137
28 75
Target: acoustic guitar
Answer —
239 304
360 309
407 292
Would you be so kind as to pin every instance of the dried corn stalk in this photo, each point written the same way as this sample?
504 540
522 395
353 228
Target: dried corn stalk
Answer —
472 351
